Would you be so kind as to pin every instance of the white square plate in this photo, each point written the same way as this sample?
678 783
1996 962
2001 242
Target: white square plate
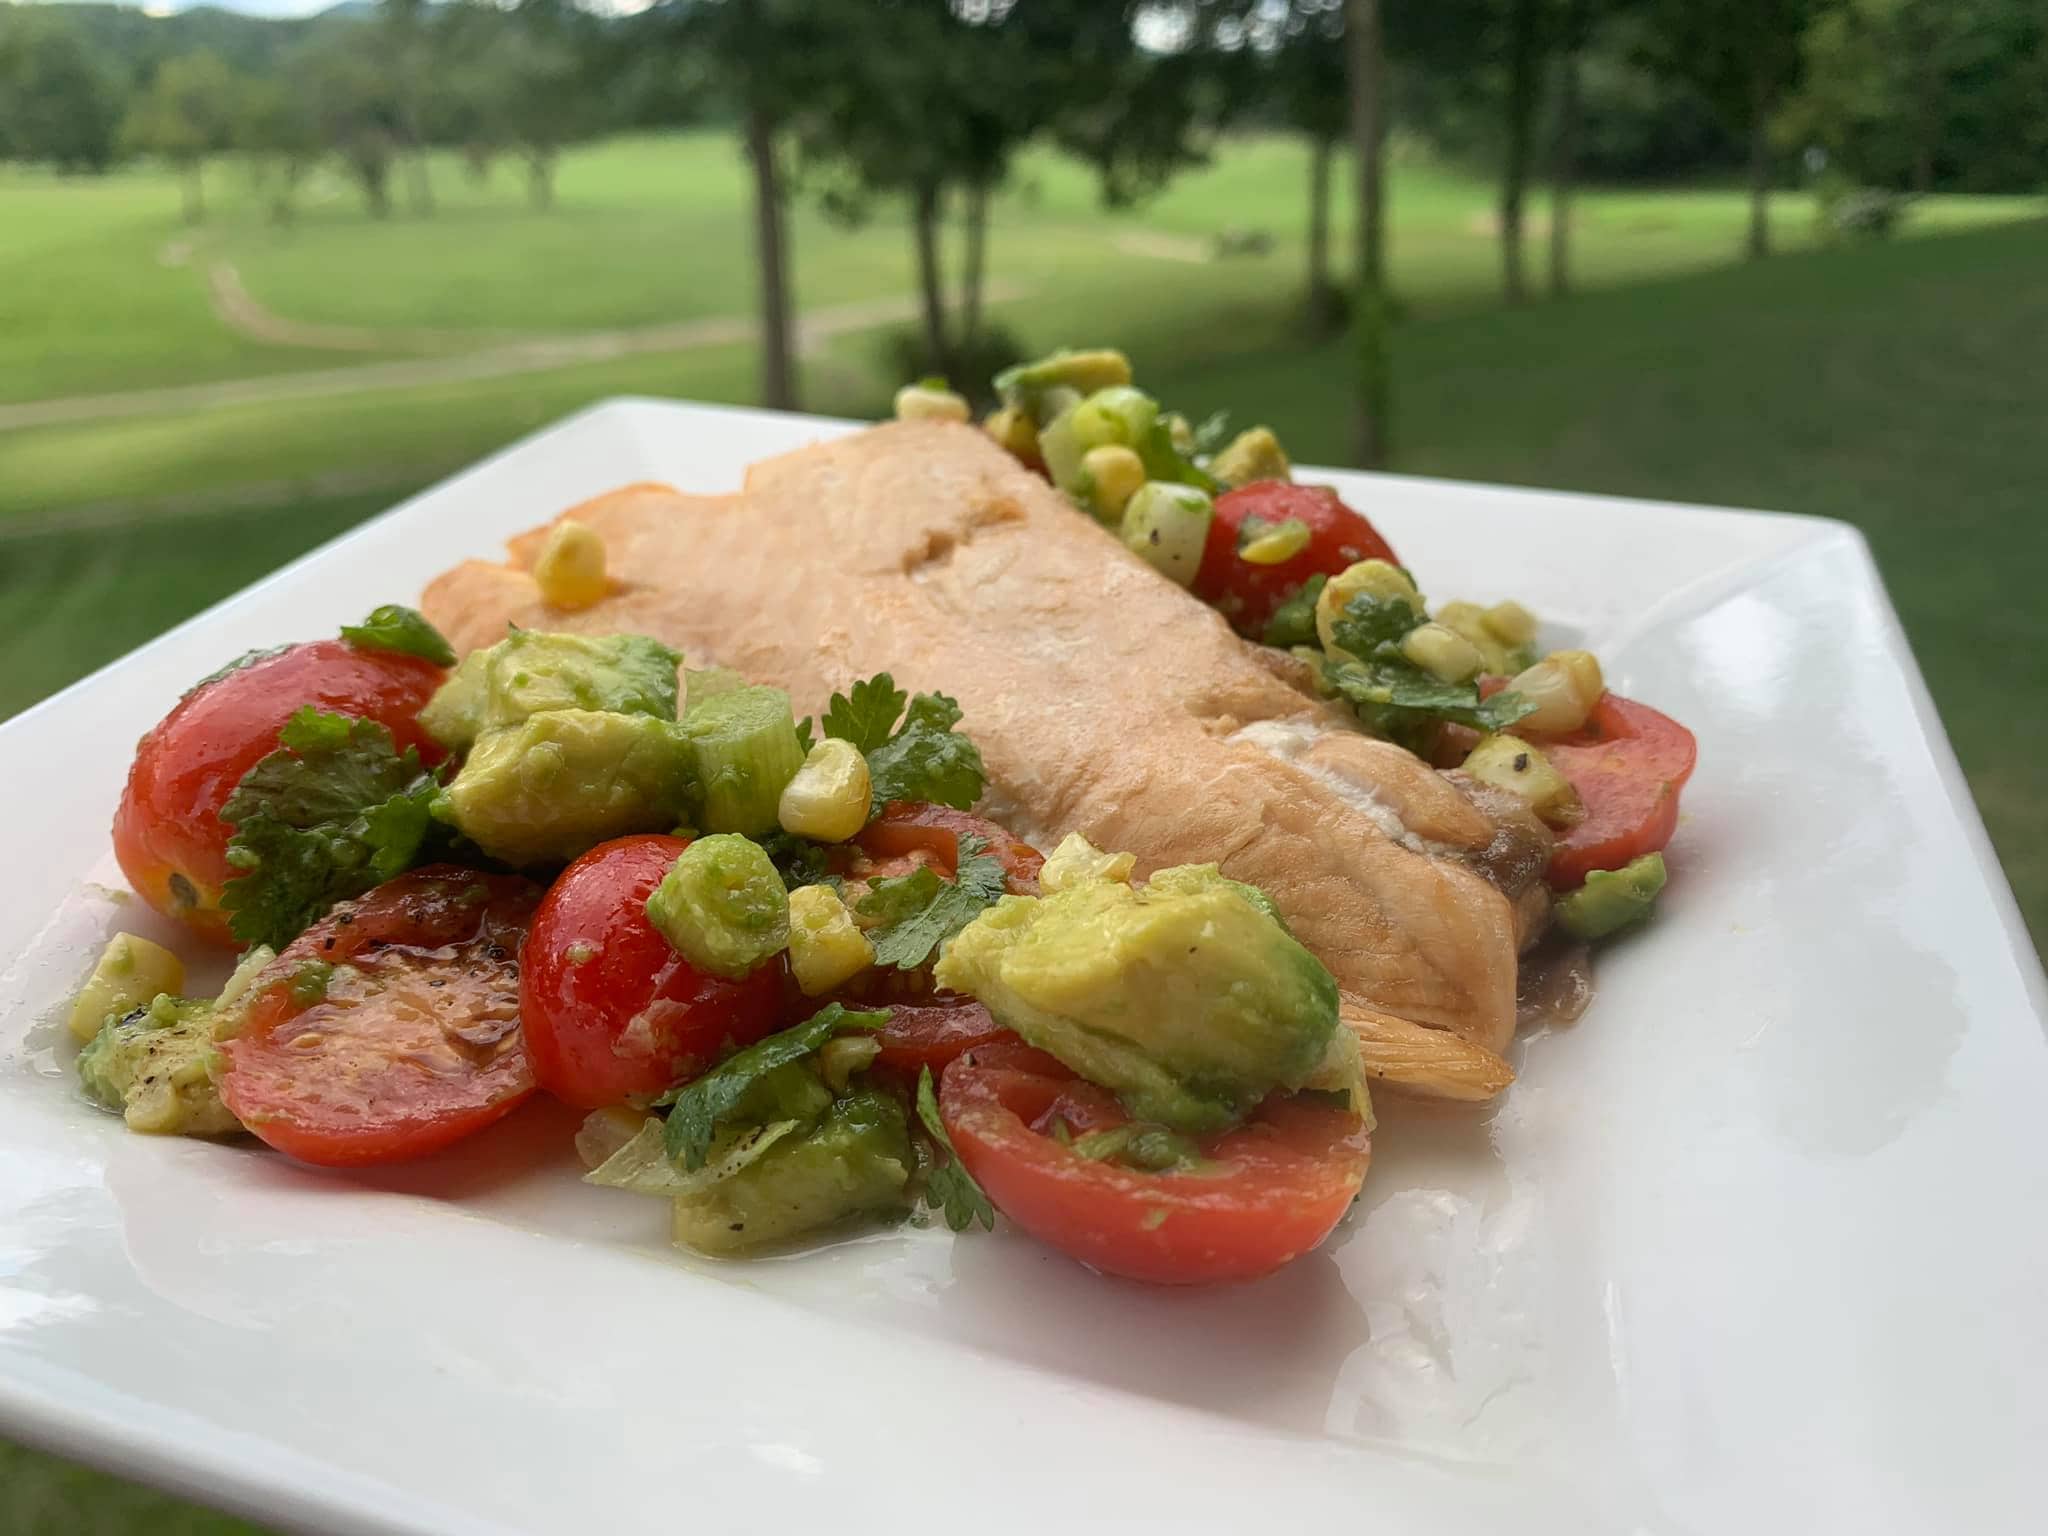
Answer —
1759 1245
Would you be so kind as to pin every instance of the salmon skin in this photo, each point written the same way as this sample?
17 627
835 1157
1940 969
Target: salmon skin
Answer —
1105 699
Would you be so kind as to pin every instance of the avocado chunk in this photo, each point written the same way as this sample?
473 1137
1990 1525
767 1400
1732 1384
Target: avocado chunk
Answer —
857 1161
1184 997
1254 454
547 789
530 672
152 1067
722 907
1611 899
1027 385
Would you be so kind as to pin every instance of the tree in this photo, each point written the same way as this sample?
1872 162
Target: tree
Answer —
276 128
515 82
1524 65
59 103
351 99
1366 66
1311 89
185 115
1746 57
406 44
768 59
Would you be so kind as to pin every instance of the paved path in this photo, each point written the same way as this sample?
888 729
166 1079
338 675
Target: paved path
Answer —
539 354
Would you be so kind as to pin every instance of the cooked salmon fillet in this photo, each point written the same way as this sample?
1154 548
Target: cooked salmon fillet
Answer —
1105 699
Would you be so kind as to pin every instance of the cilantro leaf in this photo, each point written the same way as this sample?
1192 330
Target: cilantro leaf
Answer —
1294 621
919 911
1213 433
922 759
704 1105
395 627
927 759
798 860
1369 625
334 811
868 715
949 1185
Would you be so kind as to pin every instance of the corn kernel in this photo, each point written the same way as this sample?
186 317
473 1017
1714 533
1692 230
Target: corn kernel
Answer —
924 402
1376 578
1564 687
1443 653
828 800
130 972
1278 544
570 571
1014 431
1511 623
1510 763
1079 862
1114 474
825 948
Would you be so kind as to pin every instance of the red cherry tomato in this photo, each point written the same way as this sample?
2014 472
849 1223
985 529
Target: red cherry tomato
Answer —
1274 1188
910 828
1628 763
168 834
1247 594
412 1042
931 1034
611 1011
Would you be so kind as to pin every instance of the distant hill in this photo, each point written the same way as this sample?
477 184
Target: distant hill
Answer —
250 43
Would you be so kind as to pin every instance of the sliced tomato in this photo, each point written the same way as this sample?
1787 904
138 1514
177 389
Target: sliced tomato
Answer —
932 1034
916 829
1628 763
611 1010
410 1042
1268 1191
168 835
1248 594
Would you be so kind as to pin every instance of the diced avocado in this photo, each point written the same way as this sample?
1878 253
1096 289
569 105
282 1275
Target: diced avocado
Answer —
454 715
532 671
547 789
1508 762
1611 899
152 1064
1184 997
1026 385
856 1162
722 907
746 752
1254 454
130 972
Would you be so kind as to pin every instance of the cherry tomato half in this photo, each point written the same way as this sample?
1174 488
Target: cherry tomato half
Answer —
907 828
168 835
1247 594
409 1043
611 1010
1628 763
1272 1189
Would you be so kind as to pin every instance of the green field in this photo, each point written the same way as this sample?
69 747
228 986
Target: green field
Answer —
1895 385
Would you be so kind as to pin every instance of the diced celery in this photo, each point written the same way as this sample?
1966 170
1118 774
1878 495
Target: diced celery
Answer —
722 906
1168 525
747 751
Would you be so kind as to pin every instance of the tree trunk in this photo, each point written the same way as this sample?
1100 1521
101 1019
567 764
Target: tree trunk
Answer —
1564 170
540 179
1759 244
419 182
1322 296
1523 62
778 377
1926 112
975 264
1366 65
930 290
195 192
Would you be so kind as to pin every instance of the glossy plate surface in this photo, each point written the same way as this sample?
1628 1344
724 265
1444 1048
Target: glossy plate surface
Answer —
1759 1245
